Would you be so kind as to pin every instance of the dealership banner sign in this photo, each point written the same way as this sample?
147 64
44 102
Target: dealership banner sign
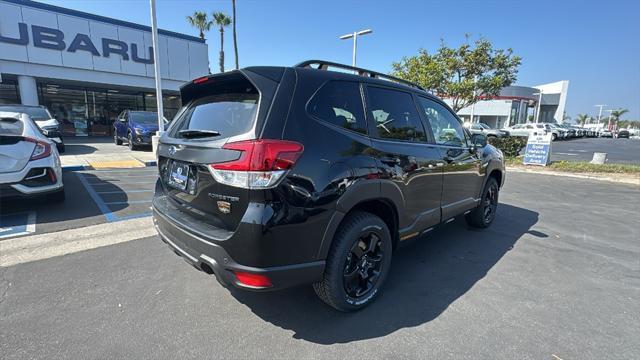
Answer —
538 149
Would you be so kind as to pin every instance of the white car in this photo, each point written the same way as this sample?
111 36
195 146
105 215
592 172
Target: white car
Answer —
557 131
29 161
43 118
606 133
526 129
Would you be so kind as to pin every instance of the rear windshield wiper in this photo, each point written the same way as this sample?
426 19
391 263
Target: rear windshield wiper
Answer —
195 133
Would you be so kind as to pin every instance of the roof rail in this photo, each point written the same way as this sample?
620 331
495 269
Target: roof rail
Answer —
325 65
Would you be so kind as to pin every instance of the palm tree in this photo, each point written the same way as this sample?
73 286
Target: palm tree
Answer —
582 119
222 20
200 21
235 39
616 114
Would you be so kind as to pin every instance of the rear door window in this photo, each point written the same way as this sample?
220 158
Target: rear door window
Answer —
394 115
229 114
339 103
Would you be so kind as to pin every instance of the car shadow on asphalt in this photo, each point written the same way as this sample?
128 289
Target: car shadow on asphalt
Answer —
426 277
79 149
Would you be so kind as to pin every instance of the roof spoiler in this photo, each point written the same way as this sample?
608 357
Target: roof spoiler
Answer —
325 65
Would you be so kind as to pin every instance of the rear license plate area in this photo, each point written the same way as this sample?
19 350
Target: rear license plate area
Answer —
178 175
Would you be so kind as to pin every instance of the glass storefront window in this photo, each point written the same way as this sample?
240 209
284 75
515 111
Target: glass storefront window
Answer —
170 104
67 104
98 115
9 92
92 111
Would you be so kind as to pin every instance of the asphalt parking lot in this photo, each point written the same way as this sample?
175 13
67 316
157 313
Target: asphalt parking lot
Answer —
556 276
619 151
92 197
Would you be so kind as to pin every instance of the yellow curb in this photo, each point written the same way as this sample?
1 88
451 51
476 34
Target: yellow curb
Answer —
118 164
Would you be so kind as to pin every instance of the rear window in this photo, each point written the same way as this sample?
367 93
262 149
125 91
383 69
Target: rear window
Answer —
229 114
11 127
36 113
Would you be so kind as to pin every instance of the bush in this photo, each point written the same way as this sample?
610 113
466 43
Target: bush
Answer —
510 145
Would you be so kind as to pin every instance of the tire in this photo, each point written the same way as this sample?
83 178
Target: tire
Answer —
61 148
480 217
359 229
132 147
116 139
56 197
554 137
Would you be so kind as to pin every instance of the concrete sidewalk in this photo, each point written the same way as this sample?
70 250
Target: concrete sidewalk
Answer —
101 153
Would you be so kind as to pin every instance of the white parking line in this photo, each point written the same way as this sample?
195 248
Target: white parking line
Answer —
118 183
127 202
44 246
122 191
29 226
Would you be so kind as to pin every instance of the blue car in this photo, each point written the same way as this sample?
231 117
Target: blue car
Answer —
135 128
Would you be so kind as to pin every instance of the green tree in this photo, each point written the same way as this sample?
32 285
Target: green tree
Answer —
616 114
222 20
200 21
235 38
581 119
464 74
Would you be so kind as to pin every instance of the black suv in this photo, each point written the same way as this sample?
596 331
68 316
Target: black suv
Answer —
272 177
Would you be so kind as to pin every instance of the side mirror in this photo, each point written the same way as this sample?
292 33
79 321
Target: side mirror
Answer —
478 140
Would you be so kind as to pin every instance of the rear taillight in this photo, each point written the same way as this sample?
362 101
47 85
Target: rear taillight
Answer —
201 80
41 151
261 164
253 280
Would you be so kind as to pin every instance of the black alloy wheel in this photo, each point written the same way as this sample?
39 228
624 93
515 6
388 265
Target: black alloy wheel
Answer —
490 202
363 266
357 264
484 214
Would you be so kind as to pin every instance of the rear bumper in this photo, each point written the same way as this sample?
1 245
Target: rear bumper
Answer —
209 257
13 184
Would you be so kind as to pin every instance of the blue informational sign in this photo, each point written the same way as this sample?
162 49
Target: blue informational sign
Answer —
538 150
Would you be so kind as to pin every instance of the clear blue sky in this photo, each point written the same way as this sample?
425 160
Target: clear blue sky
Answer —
593 44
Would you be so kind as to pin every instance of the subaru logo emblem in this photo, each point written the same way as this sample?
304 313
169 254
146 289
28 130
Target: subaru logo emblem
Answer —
172 150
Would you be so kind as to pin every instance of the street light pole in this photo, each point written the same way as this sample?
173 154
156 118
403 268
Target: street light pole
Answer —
600 112
538 107
355 35
156 66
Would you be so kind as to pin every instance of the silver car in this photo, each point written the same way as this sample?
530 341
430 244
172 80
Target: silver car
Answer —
484 129
29 161
42 117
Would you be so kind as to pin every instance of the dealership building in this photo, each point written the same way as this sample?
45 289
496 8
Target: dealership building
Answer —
87 68
516 104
